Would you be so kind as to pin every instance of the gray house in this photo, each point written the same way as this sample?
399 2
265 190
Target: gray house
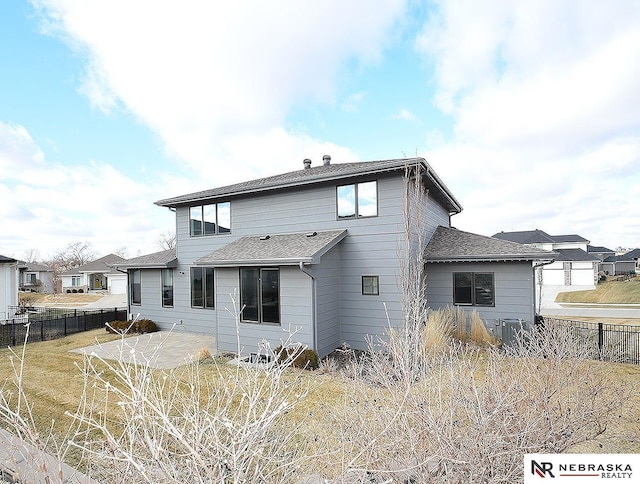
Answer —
316 251
35 277
99 275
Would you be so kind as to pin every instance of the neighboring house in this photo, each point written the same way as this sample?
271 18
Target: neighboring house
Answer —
574 267
626 263
600 252
99 275
8 287
317 251
35 277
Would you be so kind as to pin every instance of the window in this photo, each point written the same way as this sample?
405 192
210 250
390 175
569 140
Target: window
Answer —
135 290
75 280
357 200
210 219
473 289
31 277
260 295
202 287
370 285
167 287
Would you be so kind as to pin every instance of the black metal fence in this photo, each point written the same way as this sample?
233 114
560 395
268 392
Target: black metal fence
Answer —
617 342
51 323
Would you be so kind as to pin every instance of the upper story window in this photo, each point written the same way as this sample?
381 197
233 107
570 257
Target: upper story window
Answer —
211 219
357 200
473 289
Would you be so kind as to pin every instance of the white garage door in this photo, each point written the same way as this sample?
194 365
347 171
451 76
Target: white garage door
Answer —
118 285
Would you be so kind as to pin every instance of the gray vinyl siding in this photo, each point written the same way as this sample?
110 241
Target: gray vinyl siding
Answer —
327 276
373 246
295 313
513 285
182 315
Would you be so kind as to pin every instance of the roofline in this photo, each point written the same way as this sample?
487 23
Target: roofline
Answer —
394 165
288 261
172 264
492 258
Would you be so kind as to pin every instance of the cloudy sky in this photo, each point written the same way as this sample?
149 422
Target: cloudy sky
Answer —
529 111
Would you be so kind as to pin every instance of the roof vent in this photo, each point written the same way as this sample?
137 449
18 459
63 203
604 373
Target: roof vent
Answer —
265 237
311 234
307 163
326 160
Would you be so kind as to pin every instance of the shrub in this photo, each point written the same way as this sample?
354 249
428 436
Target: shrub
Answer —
145 326
140 326
298 357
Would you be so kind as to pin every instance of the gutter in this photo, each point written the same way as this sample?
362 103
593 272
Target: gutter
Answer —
314 333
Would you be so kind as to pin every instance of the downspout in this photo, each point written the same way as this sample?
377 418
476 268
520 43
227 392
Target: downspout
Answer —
314 333
536 266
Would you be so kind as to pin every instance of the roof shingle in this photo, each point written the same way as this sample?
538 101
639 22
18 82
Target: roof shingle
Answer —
282 249
452 245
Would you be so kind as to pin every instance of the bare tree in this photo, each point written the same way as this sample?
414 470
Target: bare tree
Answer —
167 240
31 255
122 252
73 255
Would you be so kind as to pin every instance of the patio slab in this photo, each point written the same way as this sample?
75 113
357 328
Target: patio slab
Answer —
163 349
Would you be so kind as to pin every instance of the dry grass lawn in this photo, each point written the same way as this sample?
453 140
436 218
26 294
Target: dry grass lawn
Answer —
36 299
53 382
610 292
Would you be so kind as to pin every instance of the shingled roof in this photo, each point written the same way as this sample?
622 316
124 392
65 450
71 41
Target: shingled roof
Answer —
537 236
575 255
452 245
6 260
282 249
319 174
103 264
164 259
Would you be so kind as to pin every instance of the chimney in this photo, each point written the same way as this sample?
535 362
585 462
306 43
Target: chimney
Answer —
326 160
307 163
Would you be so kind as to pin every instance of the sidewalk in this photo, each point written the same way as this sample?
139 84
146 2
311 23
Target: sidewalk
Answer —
22 462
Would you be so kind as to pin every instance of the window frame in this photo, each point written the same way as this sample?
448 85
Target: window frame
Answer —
357 201
474 288
258 288
207 276
165 299
375 286
207 212
132 287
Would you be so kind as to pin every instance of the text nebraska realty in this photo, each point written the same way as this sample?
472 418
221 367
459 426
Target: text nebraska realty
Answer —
606 471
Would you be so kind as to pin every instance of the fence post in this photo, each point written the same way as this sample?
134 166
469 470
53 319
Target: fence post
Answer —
85 320
600 338
13 332
42 330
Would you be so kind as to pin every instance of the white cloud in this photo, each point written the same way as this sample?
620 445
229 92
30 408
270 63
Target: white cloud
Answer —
405 115
53 205
353 101
200 73
544 98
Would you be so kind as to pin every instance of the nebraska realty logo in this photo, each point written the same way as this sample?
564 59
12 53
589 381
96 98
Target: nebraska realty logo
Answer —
578 468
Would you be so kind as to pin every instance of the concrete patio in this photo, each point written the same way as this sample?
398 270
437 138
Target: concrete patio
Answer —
163 349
